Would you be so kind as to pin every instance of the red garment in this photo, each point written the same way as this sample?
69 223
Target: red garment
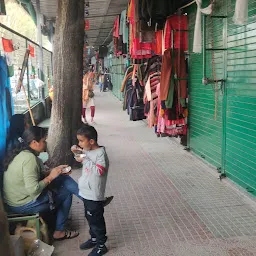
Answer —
87 25
7 45
116 27
92 112
166 74
177 22
138 50
32 51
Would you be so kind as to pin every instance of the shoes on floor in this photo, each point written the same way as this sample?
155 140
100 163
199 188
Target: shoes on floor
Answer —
88 245
98 251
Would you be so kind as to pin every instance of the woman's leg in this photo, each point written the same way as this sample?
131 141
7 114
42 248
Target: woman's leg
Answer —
92 112
68 183
63 199
40 205
84 115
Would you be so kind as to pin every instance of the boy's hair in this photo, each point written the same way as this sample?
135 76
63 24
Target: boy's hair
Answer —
88 132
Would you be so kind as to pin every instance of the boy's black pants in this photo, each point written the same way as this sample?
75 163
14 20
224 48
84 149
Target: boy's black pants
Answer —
94 213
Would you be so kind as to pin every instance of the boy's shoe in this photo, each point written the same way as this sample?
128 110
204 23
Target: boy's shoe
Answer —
88 245
98 251
107 201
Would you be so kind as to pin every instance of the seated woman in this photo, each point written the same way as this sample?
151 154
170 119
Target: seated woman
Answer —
26 189
18 124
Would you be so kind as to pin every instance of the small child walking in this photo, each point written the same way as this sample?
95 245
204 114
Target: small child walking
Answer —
92 185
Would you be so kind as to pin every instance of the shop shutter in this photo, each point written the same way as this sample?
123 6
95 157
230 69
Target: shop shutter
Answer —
206 132
240 164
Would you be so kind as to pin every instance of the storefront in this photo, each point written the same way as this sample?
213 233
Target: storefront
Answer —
195 85
222 116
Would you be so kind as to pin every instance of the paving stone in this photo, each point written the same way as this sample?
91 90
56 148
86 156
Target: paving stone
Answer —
166 201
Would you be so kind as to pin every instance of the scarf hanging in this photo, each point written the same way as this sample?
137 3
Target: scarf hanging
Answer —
241 12
197 45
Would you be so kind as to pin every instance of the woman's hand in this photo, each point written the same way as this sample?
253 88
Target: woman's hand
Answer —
55 172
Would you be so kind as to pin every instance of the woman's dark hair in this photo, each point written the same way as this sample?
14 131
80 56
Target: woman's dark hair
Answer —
17 125
33 133
17 128
88 132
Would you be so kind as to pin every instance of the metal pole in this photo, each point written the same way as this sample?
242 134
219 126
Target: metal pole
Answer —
40 41
28 82
204 46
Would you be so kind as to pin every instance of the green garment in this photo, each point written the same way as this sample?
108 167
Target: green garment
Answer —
183 102
169 100
21 183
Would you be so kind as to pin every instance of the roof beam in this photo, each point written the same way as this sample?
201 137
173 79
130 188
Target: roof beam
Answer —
101 16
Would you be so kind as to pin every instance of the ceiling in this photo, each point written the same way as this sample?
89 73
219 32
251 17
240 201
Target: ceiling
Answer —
101 17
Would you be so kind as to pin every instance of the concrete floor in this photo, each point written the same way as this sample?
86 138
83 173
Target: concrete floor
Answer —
167 202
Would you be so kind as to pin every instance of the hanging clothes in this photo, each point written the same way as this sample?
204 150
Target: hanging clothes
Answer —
6 106
241 12
138 49
177 23
197 44
153 65
154 13
158 45
166 74
123 30
177 65
116 27
151 97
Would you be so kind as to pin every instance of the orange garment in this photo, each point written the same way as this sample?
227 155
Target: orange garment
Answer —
159 38
166 71
88 85
129 76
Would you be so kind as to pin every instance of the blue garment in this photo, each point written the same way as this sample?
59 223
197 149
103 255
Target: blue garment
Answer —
6 111
6 107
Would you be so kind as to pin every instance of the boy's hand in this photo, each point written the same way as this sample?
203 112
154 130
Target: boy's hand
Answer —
79 159
76 150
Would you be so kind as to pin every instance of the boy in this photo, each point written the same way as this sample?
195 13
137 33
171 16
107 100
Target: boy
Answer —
92 186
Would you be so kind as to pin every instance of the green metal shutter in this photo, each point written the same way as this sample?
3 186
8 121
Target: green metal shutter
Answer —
205 132
240 164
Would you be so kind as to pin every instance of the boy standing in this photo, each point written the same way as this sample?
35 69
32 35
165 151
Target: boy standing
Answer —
92 186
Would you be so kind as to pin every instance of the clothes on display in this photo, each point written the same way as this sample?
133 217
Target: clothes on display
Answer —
133 94
120 35
6 109
156 89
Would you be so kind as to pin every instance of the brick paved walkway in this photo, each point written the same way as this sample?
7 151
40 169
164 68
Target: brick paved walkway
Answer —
167 202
